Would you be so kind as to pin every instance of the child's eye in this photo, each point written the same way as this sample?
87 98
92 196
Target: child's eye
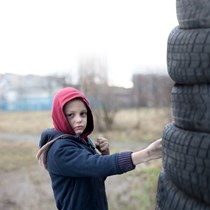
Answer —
83 114
69 115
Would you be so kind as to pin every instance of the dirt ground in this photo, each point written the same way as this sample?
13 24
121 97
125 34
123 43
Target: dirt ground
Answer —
24 189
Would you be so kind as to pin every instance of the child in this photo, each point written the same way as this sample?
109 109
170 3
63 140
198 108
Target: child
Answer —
76 169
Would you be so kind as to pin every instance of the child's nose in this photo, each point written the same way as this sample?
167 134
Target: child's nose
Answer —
78 118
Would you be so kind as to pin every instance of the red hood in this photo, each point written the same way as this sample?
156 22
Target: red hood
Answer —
59 119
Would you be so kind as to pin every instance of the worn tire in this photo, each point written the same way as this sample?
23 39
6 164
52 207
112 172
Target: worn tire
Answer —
191 107
193 13
169 197
188 56
186 161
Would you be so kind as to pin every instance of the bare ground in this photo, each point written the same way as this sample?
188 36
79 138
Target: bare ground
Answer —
23 189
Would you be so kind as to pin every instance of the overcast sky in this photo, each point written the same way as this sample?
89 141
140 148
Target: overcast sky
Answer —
48 36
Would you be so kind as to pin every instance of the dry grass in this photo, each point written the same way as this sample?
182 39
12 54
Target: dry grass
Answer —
15 155
135 190
144 123
25 122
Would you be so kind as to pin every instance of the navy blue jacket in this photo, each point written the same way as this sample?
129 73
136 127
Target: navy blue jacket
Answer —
78 172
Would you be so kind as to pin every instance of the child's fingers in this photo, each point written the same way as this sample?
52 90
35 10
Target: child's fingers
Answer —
104 146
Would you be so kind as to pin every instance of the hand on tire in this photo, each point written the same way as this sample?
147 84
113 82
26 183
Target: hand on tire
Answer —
154 150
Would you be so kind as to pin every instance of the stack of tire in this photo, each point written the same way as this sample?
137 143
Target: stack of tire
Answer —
184 182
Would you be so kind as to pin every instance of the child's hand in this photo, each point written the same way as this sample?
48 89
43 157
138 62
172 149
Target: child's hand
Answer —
151 152
154 150
102 145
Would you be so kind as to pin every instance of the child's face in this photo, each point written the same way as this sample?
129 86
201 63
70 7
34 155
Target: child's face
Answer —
76 113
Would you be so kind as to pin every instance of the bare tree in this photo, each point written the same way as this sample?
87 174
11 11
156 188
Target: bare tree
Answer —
152 90
93 80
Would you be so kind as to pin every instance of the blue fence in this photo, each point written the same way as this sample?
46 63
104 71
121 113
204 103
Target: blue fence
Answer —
26 104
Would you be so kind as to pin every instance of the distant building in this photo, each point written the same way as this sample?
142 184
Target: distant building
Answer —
33 92
30 92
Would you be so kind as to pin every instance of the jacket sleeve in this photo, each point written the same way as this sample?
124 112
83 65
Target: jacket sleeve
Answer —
66 158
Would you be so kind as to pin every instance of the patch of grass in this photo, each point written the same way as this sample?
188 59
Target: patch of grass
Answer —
31 122
16 155
140 125
135 190
150 176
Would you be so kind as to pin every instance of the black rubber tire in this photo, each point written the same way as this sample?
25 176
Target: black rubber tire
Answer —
169 197
193 13
186 161
191 107
188 56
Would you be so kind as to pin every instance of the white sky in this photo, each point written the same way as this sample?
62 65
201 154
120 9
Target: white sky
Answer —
48 36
